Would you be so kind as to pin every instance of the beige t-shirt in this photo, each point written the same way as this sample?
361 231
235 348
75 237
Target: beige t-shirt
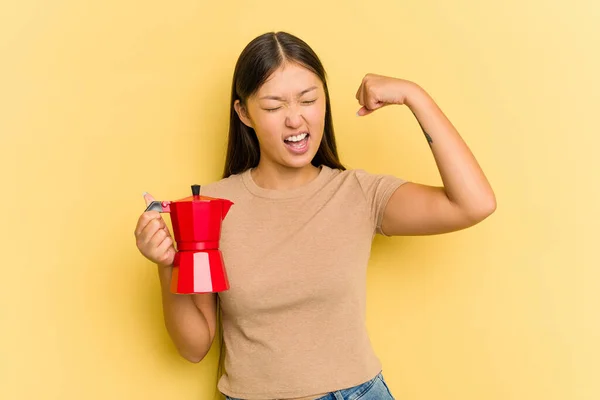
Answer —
294 316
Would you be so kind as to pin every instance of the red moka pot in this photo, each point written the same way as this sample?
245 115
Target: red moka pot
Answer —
198 266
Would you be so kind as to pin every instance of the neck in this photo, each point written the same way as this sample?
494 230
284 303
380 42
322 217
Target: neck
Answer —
279 177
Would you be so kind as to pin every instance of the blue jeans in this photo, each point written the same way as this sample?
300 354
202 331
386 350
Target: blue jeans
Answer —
374 389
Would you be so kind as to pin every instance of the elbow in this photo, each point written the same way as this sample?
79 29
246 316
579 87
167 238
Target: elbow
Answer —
491 205
484 209
193 357
195 352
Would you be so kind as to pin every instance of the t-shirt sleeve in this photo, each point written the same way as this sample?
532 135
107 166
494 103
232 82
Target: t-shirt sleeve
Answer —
377 189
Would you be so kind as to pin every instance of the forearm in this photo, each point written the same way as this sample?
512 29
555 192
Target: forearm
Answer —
464 182
185 323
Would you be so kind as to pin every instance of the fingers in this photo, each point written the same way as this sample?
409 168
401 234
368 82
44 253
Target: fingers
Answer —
366 98
359 92
150 240
361 95
153 226
157 238
162 243
152 234
146 216
153 237
155 242
165 243
144 220
165 251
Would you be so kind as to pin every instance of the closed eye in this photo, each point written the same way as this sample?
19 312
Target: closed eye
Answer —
306 102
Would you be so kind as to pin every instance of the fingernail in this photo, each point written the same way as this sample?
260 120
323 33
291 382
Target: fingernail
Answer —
357 114
145 193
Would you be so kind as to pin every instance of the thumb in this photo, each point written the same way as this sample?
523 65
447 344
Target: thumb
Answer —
148 198
364 111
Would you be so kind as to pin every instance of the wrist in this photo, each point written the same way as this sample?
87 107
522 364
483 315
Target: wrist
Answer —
416 96
165 273
160 265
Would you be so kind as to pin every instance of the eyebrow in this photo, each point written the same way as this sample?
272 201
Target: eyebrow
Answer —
281 99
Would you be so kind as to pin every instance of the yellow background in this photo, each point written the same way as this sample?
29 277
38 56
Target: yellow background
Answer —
101 101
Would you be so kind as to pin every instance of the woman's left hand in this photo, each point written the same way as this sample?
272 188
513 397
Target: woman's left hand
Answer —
377 91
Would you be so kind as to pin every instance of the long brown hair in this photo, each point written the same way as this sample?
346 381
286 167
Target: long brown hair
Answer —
259 59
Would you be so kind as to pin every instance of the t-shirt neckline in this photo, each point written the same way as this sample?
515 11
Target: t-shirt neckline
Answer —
307 188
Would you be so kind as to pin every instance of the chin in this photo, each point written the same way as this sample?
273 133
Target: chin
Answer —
299 161
297 164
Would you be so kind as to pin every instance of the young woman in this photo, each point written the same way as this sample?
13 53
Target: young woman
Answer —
297 241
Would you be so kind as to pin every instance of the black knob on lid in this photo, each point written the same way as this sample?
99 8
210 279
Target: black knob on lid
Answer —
196 190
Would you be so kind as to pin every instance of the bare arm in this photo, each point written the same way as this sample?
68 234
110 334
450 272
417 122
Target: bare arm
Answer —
190 319
466 197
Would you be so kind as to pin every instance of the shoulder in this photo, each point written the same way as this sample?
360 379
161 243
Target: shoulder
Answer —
374 188
357 173
224 187
365 179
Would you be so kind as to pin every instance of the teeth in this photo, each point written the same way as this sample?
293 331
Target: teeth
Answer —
296 138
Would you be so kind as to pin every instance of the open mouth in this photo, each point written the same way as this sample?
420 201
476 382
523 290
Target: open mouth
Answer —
297 143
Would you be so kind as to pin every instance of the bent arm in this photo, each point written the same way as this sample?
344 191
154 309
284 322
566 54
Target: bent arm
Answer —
466 197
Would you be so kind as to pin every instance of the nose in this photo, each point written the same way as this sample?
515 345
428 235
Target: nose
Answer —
294 117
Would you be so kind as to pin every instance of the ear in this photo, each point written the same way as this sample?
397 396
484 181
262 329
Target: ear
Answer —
243 114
